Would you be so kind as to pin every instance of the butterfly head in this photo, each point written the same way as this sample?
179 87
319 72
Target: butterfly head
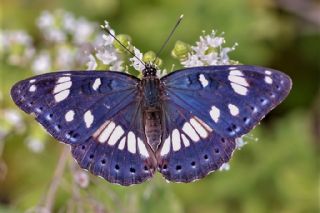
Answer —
149 70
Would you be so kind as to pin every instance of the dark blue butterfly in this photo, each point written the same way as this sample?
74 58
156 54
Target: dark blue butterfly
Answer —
124 129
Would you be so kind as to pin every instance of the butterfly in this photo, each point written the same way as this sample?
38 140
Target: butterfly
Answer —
124 129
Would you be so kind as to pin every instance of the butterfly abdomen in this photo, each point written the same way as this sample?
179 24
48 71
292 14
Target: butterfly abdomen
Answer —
152 118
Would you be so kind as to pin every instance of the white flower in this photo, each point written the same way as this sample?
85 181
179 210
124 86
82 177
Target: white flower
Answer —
136 63
208 51
83 30
224 58
42 63
108 39
69 21
117 66
240 143
92 63
55 35
46 20
12 116
65 58
192 61
19 46
211 58
107 56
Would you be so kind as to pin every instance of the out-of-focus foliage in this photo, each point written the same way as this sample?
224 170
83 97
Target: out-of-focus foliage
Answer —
277 173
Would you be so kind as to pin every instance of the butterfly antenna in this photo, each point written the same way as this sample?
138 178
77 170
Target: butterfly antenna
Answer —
108 31
168 38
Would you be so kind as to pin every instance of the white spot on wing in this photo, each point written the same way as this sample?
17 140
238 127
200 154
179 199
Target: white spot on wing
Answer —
131 142
208 128
236 72
63 79
166 147
185 140
241 90
88 118
69 116
32 88
267 72
197 126
268 80
116 135
61 96
142 148
122 143
204 82
176 142
238 80
62 87
215 113
96 84
234 110
106 132
32 81
232 68
188 129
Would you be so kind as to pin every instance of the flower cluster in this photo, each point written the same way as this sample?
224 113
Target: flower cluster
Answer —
207 51
106 53
16 47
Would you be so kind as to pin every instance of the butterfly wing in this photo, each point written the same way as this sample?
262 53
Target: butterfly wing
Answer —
191 149
117 151
207 108
98 114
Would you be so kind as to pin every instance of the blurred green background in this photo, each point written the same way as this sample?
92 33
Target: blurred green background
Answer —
277 173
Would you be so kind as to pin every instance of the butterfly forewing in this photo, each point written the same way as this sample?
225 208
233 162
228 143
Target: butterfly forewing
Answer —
229 99
72 105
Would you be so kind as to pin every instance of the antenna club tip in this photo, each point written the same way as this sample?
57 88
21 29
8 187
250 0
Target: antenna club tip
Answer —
181 16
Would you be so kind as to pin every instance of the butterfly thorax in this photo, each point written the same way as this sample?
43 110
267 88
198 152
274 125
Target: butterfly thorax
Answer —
150 87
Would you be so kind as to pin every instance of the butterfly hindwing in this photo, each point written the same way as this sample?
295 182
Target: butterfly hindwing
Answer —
229 99
117 151
190 149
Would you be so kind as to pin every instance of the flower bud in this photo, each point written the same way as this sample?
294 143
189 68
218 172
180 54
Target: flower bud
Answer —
180 50
150 57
